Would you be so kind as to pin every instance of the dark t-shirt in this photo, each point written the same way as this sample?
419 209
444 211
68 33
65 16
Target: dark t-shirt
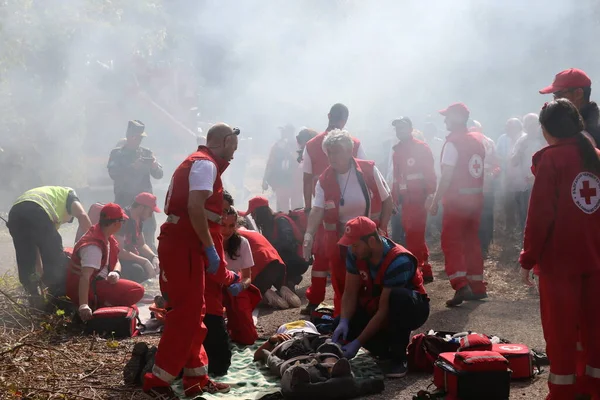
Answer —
132 232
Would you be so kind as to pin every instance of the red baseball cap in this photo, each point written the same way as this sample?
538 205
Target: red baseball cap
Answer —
255 202
456 109
568 79
356 229
148 200
113 212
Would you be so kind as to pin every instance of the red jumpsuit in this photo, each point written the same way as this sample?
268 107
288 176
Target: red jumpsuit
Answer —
562 236
315 294
463 203
263 251
334 229
414 180
101 293
182 279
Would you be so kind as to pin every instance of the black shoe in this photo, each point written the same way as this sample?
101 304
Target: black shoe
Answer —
477 296
148 362
309 309
394 368
133 369
341 369
427 279
462 294
162 393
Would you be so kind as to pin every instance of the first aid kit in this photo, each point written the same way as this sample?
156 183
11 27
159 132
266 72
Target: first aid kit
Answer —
472 375
519 357
118 322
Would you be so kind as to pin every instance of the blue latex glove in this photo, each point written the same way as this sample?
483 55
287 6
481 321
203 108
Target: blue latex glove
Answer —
213 260
235 288
351 349
236 278
340 331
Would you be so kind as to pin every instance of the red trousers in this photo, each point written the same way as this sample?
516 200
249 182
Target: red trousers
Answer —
182 284
461 247
239 315
414 223
315 294
569 309
122 293
338 277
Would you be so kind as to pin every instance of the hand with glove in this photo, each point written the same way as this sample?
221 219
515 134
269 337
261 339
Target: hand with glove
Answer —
236 278
85 312
351 349
113 277
236 288
156 264
214 261
341 331
307 246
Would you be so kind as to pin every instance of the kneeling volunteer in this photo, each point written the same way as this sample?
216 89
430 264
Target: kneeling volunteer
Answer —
384 298
93 277
138 261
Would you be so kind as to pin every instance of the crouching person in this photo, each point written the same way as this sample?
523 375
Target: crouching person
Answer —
93 278
384 299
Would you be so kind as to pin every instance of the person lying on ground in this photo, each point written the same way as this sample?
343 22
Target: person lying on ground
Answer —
384 297
93 277
138 261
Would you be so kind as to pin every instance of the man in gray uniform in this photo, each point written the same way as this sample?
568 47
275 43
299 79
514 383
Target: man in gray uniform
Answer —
130 167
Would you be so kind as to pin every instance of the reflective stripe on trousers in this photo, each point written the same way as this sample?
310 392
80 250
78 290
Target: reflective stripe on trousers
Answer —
475 277
459 274
592 372
318 274
561 379
470 190
329 227
412 177
162 374
198 371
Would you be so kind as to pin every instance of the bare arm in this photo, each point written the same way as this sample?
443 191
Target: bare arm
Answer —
144 249
84 285
314 220
126 254
447 172
308 189
78 212
380 318
387 207
196 201
350 296
246 277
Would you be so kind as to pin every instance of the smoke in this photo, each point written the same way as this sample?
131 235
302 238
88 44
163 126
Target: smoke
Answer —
71 72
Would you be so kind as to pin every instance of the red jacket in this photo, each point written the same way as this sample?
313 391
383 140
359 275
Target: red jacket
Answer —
414 172
562 233
318 158
94 236
263 252
331 217
371 289
179 229
466 186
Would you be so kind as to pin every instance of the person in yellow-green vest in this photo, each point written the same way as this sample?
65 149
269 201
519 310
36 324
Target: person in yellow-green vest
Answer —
33 223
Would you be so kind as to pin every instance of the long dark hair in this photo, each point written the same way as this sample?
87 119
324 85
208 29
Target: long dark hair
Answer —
561 119
232 245
265 221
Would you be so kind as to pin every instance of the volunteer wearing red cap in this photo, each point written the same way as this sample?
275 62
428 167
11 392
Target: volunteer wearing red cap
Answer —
286 237
347 189
562 237
138 261
190 243
414 181
384 299
574 84
93 277
314 164
461 190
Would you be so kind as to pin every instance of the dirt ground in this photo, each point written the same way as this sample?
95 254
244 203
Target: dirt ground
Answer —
511 312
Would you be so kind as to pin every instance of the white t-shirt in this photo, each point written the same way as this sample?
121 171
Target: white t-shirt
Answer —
307 163
449 155
244 260
523 152
298 326
91 257
354 199
202 175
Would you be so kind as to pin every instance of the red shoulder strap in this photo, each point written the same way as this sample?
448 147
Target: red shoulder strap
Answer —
390 256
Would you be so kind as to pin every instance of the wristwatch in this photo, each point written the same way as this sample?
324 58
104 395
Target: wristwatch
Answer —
117 272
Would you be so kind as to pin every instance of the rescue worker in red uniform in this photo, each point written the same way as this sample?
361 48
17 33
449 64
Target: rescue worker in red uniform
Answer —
562 237
348 188
414 181
190 242
313 165
461 190
93 277
384 299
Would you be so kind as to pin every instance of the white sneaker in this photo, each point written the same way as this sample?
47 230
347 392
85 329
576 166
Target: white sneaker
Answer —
274 300
290 297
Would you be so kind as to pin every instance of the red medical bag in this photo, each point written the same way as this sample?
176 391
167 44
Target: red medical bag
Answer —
519 357
118 322
475 341
472 375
